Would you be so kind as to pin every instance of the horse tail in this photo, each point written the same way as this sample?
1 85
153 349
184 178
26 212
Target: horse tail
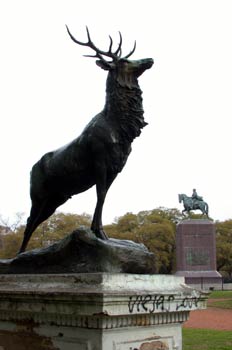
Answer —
206 208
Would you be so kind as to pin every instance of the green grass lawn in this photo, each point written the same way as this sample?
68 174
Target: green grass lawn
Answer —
223 304
206 339
220 295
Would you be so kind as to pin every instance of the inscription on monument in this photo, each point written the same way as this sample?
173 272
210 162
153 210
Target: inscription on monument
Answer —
197 256
196 252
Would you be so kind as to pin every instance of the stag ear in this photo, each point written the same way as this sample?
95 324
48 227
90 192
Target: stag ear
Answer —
104 65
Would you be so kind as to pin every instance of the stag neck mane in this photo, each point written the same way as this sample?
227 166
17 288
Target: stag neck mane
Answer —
124 105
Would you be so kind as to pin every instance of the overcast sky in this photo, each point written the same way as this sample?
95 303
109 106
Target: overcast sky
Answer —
49 92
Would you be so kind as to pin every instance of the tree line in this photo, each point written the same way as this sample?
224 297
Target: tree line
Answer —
156 229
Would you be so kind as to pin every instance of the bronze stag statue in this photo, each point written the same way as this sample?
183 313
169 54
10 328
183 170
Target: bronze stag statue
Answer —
101 151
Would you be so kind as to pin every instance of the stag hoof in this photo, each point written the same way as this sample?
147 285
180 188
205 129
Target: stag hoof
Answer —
20 252
101 234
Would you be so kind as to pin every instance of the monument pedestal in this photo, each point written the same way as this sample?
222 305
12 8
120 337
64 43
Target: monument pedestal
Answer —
95 311
196 254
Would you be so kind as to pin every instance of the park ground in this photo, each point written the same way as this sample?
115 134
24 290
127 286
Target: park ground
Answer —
218 314
210 329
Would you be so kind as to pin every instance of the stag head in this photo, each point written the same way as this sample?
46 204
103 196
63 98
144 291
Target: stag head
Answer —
125 71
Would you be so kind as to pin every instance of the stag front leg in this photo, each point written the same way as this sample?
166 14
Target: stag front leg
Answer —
96 226
102 187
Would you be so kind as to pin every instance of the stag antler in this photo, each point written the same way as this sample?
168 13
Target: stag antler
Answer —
131 52
99 53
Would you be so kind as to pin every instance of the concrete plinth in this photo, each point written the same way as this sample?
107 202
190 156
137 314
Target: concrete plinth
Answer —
95 311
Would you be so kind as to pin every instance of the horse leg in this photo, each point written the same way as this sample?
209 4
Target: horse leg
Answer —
185 209
204 208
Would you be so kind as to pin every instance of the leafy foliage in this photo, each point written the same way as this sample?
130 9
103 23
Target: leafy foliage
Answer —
50 231
154 228
224 246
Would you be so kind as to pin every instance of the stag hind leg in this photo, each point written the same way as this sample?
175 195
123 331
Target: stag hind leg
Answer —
40 211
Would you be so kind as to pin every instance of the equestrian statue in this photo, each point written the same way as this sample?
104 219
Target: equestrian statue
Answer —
193 203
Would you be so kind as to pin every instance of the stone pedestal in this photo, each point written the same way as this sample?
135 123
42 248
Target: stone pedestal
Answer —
196 254
95 311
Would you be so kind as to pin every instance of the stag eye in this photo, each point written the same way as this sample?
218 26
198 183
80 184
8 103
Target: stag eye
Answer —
124 62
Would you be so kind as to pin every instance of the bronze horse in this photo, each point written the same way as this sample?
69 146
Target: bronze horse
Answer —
190 204
101 151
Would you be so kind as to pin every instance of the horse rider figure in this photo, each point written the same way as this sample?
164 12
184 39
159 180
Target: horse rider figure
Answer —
195 197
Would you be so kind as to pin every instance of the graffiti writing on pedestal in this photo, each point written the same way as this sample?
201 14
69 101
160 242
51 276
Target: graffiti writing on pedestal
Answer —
154 303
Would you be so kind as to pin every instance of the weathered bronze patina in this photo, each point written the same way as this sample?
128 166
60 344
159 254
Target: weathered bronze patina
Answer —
193 203
100 152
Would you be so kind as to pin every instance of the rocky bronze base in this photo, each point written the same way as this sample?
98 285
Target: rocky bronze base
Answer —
82 252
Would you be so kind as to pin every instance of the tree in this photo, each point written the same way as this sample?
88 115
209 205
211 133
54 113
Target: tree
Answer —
8 239
224 247
8 225
50 231
10 245
155 229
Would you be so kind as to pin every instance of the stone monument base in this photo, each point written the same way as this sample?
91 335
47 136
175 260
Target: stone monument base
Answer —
95 311
196 254
202 279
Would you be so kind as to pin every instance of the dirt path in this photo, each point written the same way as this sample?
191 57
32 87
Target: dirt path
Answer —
211 318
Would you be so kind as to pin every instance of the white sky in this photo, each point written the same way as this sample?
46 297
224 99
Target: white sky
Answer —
49 92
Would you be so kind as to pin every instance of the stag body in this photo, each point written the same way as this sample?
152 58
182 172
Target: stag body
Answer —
99 153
